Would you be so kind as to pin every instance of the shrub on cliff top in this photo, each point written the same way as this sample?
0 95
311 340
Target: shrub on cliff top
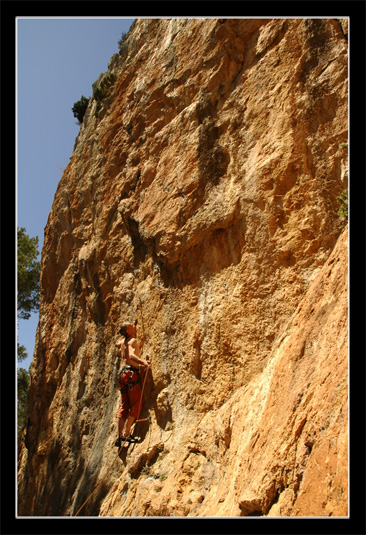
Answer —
102 91
122 40
79 108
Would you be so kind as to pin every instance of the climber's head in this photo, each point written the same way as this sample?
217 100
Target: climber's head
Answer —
128 330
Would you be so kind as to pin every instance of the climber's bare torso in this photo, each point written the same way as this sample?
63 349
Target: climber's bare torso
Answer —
130 355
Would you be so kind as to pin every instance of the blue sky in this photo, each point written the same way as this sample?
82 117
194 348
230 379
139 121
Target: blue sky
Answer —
58 60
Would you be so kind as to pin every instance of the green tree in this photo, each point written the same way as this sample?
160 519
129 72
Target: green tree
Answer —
23 380
28 269
22 353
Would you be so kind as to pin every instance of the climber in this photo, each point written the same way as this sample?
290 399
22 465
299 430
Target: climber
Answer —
128 381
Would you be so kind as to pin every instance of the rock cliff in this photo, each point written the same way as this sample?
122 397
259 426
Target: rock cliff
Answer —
201 199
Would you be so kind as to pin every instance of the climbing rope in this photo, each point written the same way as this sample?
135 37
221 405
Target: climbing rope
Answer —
120 449
142 392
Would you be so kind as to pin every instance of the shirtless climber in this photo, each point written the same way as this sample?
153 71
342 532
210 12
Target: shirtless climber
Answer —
128 381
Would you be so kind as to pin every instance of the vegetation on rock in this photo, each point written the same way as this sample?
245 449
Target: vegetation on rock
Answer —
79 108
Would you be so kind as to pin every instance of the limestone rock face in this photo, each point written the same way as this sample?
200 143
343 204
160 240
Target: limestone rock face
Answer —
200 199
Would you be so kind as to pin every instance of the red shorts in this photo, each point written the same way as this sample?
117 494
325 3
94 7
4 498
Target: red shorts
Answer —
130 399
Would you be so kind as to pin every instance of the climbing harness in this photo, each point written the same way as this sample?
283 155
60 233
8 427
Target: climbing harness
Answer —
130 384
